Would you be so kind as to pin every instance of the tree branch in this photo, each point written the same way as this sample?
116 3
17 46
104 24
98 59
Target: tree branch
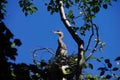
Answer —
67 24
46 49
89 41
34 53
77 39
97 42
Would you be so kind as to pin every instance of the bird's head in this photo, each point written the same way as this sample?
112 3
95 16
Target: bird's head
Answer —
60 33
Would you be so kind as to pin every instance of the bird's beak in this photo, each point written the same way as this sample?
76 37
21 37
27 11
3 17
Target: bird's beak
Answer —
53 32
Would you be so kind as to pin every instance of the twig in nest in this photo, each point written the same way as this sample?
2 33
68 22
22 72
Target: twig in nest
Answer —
39 49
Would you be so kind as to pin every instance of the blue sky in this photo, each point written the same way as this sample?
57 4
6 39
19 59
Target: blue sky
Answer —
35 30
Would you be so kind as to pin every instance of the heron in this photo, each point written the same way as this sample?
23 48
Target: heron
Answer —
61 50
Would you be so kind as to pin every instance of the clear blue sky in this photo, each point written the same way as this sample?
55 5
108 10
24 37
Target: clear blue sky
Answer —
35 30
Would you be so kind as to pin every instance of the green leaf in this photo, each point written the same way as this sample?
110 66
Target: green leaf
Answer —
32 5
115 69
92 16
84 66
21 5
102 73
109 65
17 42
88 75
107 0
87 26
34 9
75 28
108 76
82 33
13 45
117 59
107 61
49 8
103 78
31 12
96 9
76 1
70 14
67 5
12 73
103 69
105 6
95 78
90 66
68 70
98 60
3 8
82 30
26 13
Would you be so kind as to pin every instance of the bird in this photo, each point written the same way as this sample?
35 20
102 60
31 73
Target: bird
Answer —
61 50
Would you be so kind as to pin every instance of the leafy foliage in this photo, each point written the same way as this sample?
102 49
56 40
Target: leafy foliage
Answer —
2 8
108 67
8 52
118 58
87 8
27 6
42 70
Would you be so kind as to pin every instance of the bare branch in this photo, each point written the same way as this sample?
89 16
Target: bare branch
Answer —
45 49
97 42
89 41
92 29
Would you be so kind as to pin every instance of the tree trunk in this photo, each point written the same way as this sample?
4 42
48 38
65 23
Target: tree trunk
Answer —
77 39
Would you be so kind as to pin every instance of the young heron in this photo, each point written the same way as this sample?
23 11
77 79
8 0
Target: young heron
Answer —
61 50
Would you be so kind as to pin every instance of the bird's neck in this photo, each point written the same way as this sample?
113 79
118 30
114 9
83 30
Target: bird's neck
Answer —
60 40
61 43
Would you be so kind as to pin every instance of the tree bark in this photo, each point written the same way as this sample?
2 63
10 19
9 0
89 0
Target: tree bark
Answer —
77 39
